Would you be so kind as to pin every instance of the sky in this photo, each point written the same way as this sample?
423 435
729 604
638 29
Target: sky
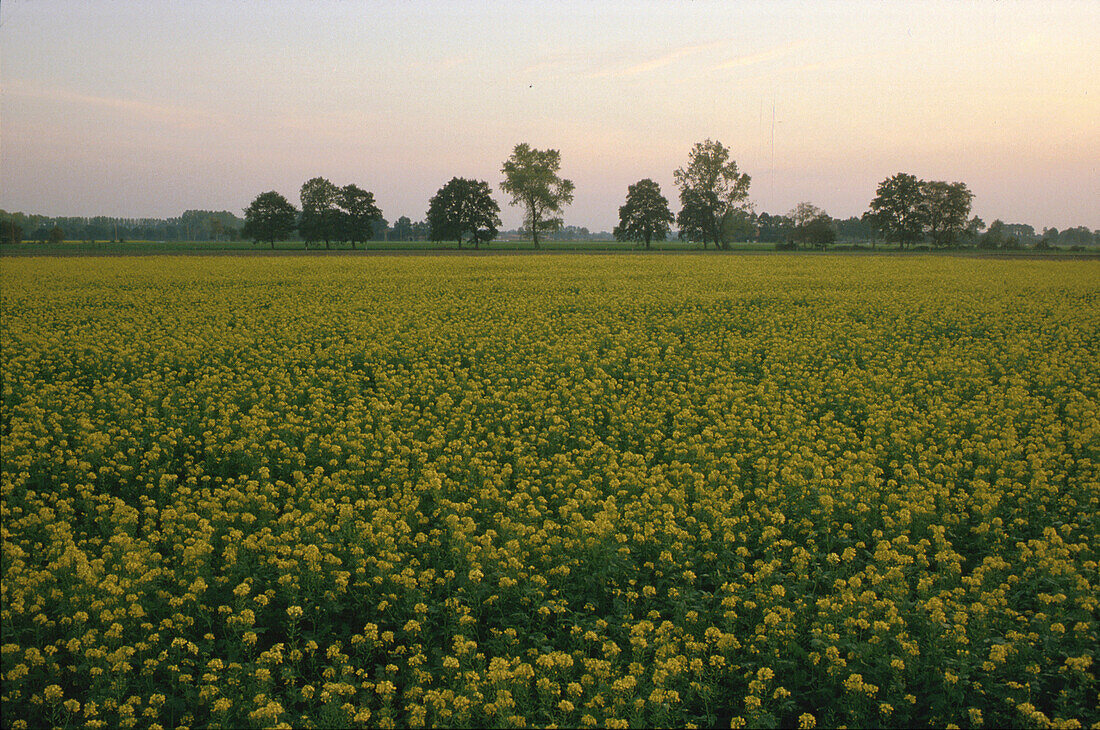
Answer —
149 108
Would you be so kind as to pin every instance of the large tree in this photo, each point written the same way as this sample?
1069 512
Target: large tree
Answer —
711 188
320 216
463 208
357 214
945 208
531 178
898 210
645 216
812 226
270 218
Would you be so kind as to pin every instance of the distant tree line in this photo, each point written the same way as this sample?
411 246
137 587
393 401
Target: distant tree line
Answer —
193 225
714 209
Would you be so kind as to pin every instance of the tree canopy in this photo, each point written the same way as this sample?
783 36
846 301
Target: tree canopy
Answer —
463 208
945 208
270 218
897 209
711 187
812 226
645 216
531 178
356 214
320 219
908 210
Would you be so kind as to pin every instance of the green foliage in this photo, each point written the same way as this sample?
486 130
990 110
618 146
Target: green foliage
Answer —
357 214
463 208
320 216
710 188
994 237
737 226
944 209
896 209
531 178
645 217
402 229
270 217
209 225
812 226
908 210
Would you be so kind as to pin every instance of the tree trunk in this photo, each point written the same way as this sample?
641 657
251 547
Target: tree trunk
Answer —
272 244
534 227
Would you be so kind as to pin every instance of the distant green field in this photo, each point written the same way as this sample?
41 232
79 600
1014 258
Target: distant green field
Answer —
79 248
137 247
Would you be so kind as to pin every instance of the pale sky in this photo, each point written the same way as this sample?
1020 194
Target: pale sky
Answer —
145 109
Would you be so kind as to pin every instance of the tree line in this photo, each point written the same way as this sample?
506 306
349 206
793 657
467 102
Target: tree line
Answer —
714 209
192 225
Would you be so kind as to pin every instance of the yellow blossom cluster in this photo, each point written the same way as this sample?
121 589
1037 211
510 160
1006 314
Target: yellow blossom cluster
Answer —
535 491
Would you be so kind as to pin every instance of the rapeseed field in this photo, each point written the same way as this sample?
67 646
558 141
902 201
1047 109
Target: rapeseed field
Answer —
536 491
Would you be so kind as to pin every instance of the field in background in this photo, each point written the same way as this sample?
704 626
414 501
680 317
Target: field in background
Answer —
155 247
514 491
101 248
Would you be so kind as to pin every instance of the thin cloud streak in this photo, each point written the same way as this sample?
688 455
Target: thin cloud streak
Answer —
660 61
164 113
754 58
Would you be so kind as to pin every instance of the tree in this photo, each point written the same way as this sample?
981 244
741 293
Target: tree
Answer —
812 226
531 178
645 216
1049 239
995 236
320 219
974 228
356 214
380 230
944 209
871 220
897 209
11 231
402 229
802 215
820 231
696 218
853 229
465 208
270 218
772 228
1078 236
737 225
710 188
57 235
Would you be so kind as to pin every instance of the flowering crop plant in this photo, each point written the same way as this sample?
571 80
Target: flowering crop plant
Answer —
533 491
